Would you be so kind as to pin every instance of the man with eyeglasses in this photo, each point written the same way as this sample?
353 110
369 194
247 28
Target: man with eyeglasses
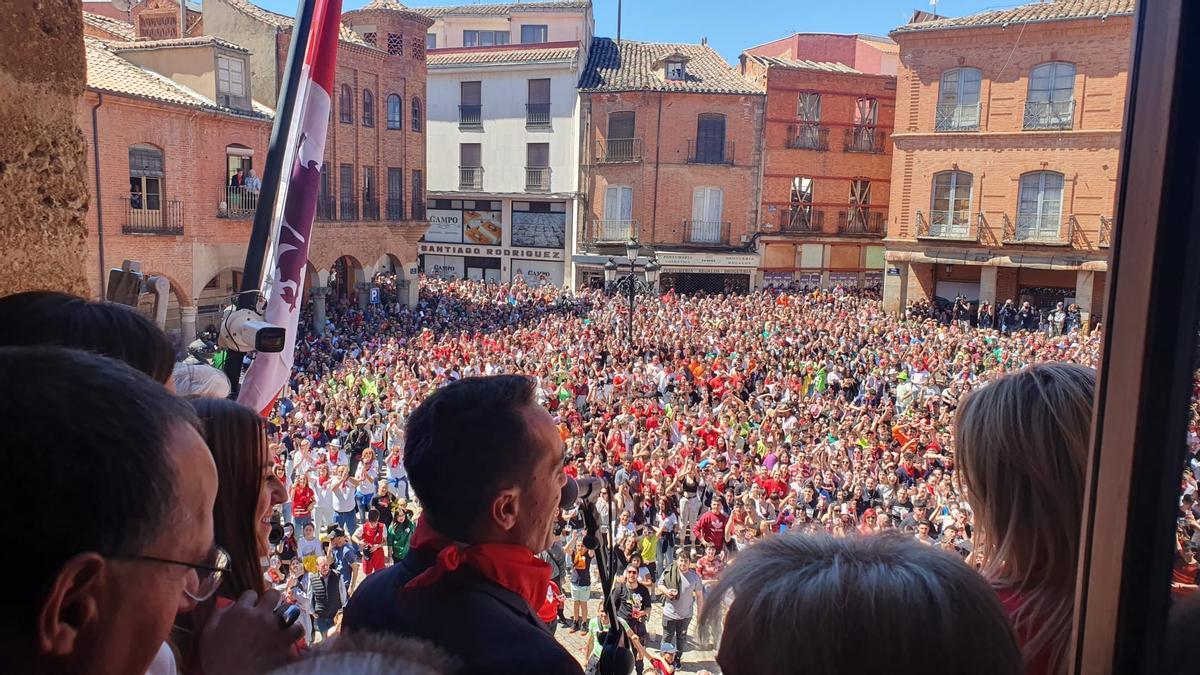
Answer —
104 599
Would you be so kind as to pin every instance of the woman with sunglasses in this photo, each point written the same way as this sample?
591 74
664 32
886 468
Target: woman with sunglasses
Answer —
247 493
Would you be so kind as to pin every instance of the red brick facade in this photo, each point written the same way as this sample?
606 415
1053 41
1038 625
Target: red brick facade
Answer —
1037 252
814 170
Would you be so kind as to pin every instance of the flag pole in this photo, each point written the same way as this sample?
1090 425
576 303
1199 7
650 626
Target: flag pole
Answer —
264 213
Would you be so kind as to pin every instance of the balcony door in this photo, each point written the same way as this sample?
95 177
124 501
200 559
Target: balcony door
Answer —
620 135
617 224
950 212
800 213
958 100
866 115
1039 211
860 202
808 109
707 205
710 138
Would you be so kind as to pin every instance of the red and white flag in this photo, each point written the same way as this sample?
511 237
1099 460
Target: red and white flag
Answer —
292 226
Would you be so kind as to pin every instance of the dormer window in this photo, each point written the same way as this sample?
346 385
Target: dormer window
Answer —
675 71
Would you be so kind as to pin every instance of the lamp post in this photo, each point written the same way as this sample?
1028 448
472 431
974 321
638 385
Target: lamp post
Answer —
629 283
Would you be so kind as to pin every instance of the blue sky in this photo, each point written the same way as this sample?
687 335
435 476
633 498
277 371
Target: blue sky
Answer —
730 32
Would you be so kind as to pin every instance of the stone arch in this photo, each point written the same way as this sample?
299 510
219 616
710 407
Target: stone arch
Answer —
389 264
178 300
345 274
217 291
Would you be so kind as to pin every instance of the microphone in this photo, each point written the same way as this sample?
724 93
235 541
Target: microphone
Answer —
581 489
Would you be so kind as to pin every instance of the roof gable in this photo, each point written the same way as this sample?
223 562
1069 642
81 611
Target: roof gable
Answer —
637 66
1038 12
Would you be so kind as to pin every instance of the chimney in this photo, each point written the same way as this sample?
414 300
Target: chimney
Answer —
704 40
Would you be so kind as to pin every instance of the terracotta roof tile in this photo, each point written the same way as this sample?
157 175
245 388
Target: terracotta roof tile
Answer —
107 71
198 41
565 54
1058 10
281 21
502 9
630 66
119 29
801 64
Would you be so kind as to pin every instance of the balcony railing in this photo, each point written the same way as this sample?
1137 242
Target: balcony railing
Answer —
237 202
1030 228
167 219
395 208
537 114
326 207
370 206
1106 227
470 116
808 137
864 139
347 208
710 232
470 178
801 220
861 221
612 231
537 179
957 117
1041 115
619 151
709 153
946 225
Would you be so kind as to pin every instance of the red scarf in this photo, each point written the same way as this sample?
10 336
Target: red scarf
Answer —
513 567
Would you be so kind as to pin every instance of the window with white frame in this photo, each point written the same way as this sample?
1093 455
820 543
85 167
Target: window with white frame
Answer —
950 210
707 205
231 78
958 100
1039 207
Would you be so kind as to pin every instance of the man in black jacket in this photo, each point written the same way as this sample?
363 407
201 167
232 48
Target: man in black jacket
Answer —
486 462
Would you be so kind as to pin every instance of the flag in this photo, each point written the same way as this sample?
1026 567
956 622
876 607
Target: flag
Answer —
292 225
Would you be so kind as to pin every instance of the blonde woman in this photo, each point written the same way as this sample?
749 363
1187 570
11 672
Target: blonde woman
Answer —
1022 446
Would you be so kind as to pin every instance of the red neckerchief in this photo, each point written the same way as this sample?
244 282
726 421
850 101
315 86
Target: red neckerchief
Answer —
513 567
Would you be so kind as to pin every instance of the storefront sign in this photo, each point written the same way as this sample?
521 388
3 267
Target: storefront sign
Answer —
482 227
708 259
490 251
893 271
445 226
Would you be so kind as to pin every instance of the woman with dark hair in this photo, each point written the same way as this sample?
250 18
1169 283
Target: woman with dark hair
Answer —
106 328
247 493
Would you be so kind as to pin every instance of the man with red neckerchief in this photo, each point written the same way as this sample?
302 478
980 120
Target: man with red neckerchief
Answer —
486 461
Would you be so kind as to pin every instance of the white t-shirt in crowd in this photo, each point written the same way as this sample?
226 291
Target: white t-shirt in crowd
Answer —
343 497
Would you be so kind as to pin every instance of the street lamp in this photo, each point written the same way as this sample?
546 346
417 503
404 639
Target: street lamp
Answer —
629 284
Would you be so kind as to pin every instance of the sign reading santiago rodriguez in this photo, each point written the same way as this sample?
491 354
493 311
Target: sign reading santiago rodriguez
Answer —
490 251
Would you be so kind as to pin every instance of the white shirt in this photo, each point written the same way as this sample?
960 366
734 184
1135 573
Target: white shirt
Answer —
343 497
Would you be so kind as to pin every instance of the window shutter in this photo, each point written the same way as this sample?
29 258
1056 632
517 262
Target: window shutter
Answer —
699 202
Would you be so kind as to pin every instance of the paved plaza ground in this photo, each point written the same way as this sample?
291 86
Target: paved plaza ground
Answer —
694 660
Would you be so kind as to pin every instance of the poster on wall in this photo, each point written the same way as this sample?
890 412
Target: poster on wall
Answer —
482 227
777 279
537 273
539 230
445 226
445 267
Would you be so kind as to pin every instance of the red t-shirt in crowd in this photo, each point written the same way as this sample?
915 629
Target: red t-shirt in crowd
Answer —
711 529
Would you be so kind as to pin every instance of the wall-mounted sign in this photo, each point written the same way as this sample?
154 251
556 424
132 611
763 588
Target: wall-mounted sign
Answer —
708 259
445 226
491 251
893 271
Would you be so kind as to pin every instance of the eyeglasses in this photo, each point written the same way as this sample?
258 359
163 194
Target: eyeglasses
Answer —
204 578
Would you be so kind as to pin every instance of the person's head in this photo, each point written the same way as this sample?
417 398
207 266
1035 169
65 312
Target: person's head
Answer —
323 565
373 515
892 590
1022 446
104 598
52 318
296 567
200 381
309 531
486 462
379 653
248 488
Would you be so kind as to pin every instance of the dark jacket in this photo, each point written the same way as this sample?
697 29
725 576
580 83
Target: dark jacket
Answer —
488 628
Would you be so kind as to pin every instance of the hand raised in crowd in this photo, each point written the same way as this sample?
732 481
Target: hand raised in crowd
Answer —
247 637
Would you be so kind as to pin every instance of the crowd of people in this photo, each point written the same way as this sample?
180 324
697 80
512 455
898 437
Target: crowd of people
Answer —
718 429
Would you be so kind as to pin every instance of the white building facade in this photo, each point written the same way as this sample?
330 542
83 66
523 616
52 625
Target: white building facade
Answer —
503 140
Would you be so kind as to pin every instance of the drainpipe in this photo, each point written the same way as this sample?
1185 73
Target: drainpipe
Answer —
657 149
96 201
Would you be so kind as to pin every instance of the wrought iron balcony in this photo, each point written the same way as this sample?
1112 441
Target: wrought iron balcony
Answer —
1106 228
619 151
537 179
149 214
801 220
470 178
709 153
1031 228
946 226
808 137
418 210
957 117
326 207
710 232
864 139
612 231
537 114
395 208
1044 115
237 202
347 208
370 206
470 116
861 221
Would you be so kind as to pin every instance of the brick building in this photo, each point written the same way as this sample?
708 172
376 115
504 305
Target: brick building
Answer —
827 158
1006 154
670 155
160 150
371 206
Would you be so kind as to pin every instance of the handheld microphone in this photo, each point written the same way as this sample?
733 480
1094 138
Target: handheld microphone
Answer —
590 487
276 534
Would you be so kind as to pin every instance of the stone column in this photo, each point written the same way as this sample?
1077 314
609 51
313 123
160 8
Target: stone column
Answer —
319 293
895 287
364 294
45 197
412 291
187 324
987 284
1085 284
